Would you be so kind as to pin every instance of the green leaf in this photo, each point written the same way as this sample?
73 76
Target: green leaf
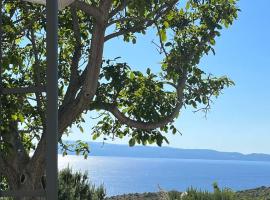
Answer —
166 24
168 44
148 71
131 75
14 117
8 7
163 35
20 117
212 41
64 153
95 136
188 5
132 142
81 129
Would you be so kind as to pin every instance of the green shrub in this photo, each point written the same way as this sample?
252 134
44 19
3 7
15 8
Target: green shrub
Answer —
174 195
218 194
76 186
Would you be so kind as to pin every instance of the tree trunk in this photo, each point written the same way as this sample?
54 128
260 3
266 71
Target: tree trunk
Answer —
26 181
22 172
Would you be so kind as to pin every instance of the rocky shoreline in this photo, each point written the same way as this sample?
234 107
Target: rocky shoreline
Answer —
136 196
261 193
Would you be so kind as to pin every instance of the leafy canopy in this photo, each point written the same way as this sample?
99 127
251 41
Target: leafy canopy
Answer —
138 104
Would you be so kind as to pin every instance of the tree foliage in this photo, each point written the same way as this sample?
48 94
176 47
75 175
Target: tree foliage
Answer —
76 185
139 104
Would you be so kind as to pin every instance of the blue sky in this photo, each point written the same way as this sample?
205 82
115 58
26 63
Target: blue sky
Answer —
240 118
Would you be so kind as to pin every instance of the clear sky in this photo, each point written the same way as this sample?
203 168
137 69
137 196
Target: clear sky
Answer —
240 118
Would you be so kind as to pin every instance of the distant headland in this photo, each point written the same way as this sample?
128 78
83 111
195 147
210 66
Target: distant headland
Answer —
116 150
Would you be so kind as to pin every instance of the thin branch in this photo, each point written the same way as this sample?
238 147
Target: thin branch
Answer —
119 8
161 42
100 115
207 107
37 78
144 23
124 19
170 83
137 28
93 11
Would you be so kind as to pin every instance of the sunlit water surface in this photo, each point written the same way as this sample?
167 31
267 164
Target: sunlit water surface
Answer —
128 175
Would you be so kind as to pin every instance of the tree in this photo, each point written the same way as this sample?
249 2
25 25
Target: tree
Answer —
141 105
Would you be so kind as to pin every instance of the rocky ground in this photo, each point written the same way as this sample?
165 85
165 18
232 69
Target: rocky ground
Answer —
262 193
136 196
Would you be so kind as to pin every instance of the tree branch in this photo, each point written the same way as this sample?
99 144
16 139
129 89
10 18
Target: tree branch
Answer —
161 42
124 19
95 12
37 78
149 125
74 76
71 110
144 23
119 8
68 113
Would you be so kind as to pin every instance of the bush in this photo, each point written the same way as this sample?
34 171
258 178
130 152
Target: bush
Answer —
76 186
218 194
174 195
194 194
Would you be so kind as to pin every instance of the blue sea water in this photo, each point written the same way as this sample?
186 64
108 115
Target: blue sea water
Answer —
128 175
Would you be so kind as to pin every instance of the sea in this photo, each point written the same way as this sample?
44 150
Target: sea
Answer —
122 175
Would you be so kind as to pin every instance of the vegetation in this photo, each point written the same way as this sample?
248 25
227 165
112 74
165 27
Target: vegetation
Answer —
76 186
194 194
190 194
140 105
262 193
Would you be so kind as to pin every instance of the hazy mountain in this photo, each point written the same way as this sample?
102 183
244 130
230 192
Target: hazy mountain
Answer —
100 149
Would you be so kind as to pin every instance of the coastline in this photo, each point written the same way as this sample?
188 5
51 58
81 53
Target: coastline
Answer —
252 194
